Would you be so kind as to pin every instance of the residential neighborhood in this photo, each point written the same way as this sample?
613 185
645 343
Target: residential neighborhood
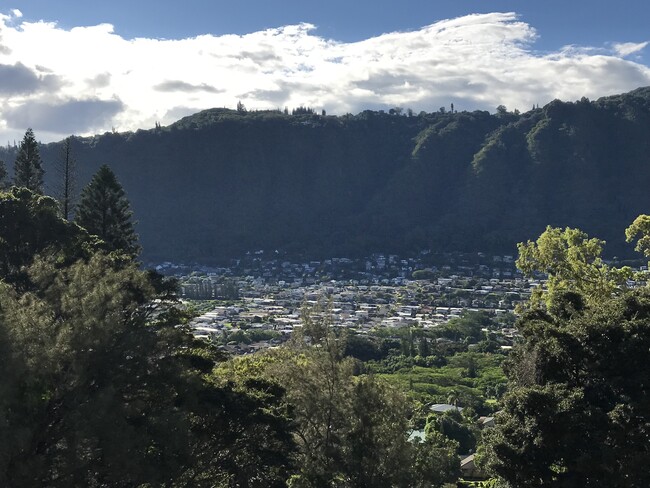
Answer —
266 297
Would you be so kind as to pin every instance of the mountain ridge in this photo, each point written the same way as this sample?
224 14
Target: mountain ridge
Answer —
216 184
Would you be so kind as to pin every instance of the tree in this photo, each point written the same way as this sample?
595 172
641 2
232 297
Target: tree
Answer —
28 167
640 227
67 184
452 425
351 430
94 392
572 261
101 387
578 409
436 462
105 211
30 224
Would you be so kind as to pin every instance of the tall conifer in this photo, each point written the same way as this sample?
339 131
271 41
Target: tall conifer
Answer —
105 211
28 167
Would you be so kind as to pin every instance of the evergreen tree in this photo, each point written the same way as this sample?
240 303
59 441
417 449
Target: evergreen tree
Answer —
105 211
28 167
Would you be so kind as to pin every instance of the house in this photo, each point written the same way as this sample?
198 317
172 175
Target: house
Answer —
486 422
469 470
444 407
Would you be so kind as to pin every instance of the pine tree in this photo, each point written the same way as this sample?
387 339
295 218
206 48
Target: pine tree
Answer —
105 211
28 167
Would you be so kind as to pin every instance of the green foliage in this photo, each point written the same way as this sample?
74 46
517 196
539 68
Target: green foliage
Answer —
104 211
28 167
350 430
572 261
577 414
95 396
4 181
249 336
472 377
436 462
453 426
641 227
100 387
30 225
362 347
468 326
423 274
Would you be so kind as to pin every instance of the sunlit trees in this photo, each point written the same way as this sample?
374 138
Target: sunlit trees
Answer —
578 410
572 261
351 430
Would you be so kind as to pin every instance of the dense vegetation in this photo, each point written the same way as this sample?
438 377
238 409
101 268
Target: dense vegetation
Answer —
99 385
578 408
223 182
102 385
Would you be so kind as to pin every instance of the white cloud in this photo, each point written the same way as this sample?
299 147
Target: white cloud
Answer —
627 48
16 13
476 62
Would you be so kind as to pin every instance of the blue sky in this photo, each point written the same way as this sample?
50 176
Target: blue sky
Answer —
559 22
66 70
586 22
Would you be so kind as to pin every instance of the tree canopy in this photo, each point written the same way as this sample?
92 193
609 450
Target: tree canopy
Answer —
100 384
578 408
351 430
571 261
30 225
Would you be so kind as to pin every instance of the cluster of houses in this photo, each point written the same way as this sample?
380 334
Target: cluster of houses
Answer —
262 301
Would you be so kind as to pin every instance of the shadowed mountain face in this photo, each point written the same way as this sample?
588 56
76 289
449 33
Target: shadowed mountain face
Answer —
220 183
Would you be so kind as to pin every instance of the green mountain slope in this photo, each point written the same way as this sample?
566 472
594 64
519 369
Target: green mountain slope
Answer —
221 182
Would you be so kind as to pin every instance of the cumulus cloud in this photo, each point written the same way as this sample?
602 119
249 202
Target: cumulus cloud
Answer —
18 79
476 61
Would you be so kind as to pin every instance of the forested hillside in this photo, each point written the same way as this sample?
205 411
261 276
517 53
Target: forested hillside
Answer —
223 182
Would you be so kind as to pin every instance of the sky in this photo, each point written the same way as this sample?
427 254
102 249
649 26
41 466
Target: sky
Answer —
83 68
